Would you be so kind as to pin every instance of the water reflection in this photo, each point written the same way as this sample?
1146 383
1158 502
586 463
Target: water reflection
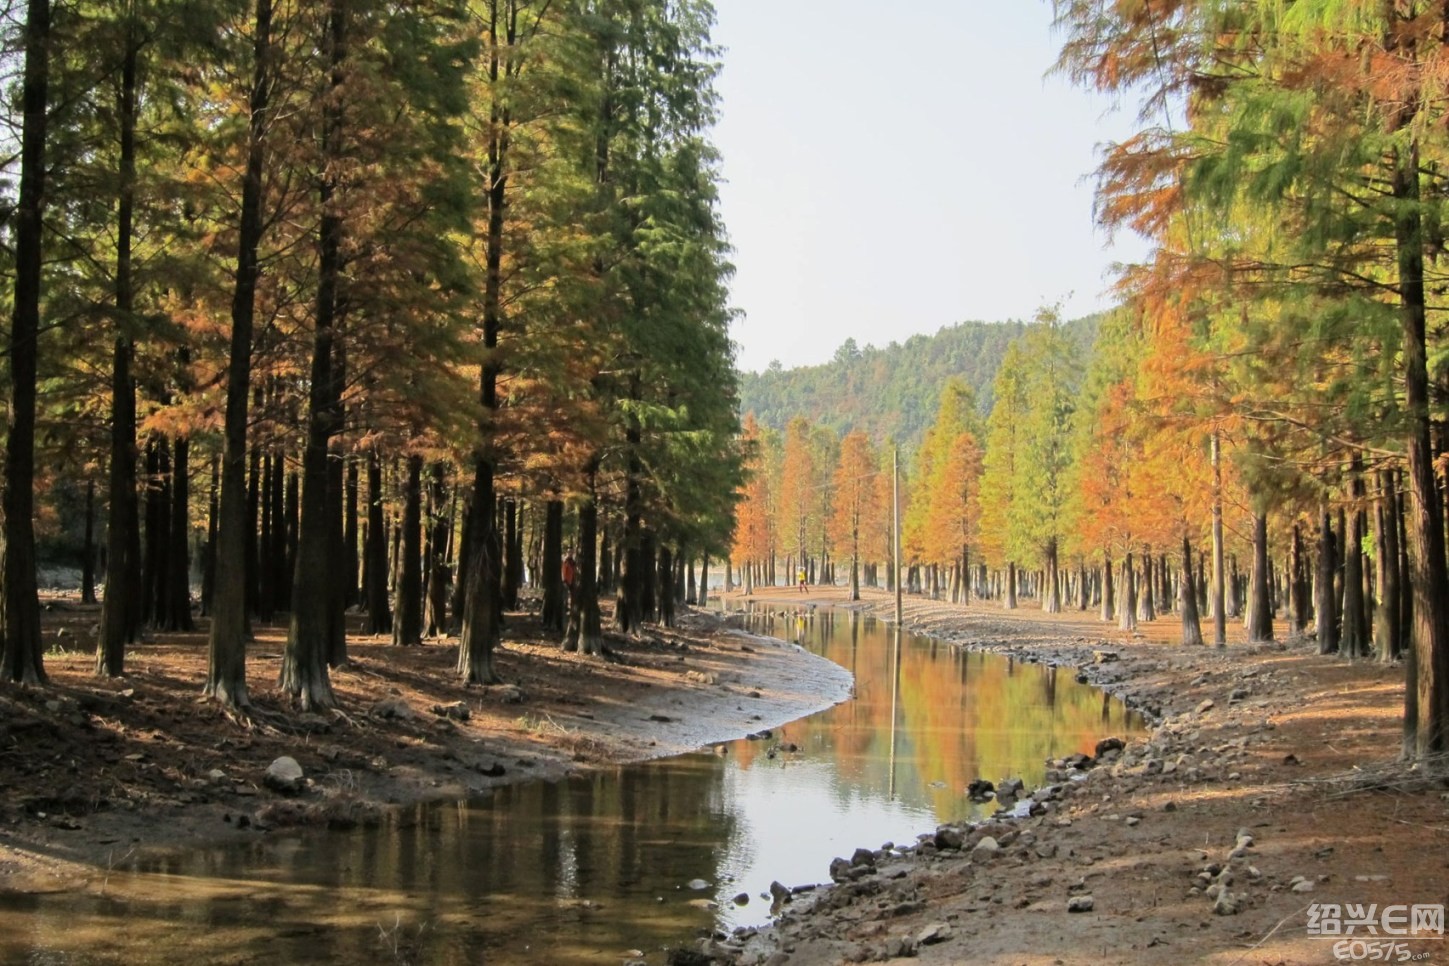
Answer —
585 870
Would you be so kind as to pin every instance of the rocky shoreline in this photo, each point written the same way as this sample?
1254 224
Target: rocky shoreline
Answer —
1201 841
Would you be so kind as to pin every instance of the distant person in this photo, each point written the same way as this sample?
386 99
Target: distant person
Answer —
570 575
803 584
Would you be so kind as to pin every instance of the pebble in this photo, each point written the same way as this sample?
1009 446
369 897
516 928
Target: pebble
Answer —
1081 904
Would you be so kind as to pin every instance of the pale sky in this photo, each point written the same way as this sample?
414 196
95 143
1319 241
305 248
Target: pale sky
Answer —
892 168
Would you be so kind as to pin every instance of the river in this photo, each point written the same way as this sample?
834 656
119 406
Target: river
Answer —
612 864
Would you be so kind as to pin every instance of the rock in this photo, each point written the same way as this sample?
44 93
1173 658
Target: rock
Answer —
980 790
936 932
1133 821
778 891
986 849
494 770
511 695
863 857
1109 744
1104 657
1227 903
1081 904
1206 706
1078 761
698 885
392 708
284 775
743 899
1238 694
216 775
899 947
1010 787
1301 884
950 837
457 711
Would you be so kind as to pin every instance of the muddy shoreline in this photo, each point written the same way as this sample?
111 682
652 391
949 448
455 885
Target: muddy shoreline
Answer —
1260 790
94 771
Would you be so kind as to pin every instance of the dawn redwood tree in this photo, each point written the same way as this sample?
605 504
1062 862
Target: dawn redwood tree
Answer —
1002 501
1042 491
304 673
854 497
22 659
407 625
226 671
796 503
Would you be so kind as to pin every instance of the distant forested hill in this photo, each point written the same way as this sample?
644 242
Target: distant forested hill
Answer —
890 392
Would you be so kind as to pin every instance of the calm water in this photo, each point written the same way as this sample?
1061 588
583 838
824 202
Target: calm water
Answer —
589 869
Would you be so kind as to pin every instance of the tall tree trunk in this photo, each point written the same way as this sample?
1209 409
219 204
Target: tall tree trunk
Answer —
208 563
666 586
1009 598
120 618
648 598
336 585
1426 720
482 606
379 610
351 556
258 600
276 550
22 658
1220 604
1298 576
630 611
1388 633
1127 612
1260 614
1354 638
439 574
305 673
407 625
1187 600
555 604
226 671
1053 602
154 547
1108 603
584 632
1145 610
88 551
176 616
1325 606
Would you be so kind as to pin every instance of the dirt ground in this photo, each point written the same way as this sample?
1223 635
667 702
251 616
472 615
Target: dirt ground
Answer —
94 769
1270 777
1270 774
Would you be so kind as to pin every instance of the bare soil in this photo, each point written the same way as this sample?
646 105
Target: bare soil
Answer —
95 769
1296 750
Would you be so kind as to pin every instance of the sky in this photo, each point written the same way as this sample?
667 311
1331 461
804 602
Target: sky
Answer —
893 168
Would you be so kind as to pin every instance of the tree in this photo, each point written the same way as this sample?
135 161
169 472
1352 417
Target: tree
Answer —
1040 510
1003 505
855 504
22 658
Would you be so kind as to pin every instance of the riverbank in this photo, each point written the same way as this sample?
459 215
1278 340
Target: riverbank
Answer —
1268 783
96 771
